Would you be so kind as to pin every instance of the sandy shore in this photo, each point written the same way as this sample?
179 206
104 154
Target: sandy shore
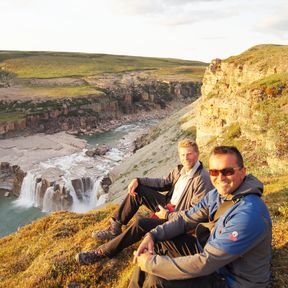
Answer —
30 150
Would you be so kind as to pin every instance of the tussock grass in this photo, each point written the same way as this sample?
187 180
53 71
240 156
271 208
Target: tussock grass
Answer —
42 254
276 198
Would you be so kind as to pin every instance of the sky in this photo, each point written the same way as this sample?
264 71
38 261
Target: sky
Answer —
185 29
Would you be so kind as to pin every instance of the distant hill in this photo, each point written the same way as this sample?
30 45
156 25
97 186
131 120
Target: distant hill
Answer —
61 64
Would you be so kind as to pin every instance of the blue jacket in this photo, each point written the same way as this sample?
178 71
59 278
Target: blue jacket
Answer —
239 247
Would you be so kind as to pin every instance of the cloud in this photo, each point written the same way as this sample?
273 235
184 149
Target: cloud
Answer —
186 17
153 6
276 24
174 12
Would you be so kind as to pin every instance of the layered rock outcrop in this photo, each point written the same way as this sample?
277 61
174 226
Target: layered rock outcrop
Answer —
244 102
118 98
11 177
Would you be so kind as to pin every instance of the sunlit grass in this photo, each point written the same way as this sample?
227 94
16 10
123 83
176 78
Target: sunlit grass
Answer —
13 116
49 65
42 254
60 92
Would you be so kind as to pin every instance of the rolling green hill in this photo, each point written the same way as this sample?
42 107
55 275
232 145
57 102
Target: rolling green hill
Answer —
60 64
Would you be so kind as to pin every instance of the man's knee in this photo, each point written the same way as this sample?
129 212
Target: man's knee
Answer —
140 223
146 224
141 190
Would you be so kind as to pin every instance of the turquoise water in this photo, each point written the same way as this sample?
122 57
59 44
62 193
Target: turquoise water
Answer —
112 137
12 217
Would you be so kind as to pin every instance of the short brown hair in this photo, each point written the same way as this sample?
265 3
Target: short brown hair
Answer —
188 143
229 150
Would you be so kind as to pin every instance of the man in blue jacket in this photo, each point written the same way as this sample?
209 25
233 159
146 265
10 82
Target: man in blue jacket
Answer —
238 250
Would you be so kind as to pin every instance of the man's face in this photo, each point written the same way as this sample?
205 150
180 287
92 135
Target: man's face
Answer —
226 184
188 157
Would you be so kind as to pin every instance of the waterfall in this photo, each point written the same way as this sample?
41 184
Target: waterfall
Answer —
48 200
84 172
76 202
33 194
38 194
94 194
27 194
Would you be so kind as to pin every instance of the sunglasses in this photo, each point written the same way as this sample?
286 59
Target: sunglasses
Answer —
225 172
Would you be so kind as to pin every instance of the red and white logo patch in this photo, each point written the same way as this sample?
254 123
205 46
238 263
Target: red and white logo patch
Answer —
233 236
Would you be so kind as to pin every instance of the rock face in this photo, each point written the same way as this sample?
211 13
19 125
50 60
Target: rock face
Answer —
83 114
11 178
244 102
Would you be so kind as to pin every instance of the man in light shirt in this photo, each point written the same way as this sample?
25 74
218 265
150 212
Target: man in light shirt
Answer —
186 186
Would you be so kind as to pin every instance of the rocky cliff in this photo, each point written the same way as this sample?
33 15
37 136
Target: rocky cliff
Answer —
245 103
91 113
11 177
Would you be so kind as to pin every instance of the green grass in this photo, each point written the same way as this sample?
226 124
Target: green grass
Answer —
11 117
54 64
61 92
265 56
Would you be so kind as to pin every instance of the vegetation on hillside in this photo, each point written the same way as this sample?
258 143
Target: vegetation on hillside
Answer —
42 254
261 54
58 64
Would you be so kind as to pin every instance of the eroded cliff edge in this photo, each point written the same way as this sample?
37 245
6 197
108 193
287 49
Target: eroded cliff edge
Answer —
245 103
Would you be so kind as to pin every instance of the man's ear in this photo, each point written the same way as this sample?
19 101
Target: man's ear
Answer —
243 172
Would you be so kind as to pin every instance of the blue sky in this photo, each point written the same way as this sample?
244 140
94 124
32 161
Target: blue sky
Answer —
186 29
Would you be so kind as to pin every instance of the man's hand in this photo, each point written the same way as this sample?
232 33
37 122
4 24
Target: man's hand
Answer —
132 186
162 213
146 246
141 260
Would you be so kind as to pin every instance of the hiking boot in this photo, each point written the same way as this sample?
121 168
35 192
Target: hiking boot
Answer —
113 230
90 256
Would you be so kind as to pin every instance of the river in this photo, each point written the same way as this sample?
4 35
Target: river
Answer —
15 213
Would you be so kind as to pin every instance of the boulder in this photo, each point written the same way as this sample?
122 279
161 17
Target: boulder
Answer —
11 178
98 151
105 183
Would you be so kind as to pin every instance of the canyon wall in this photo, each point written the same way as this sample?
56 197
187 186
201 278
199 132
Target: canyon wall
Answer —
244 103
91 112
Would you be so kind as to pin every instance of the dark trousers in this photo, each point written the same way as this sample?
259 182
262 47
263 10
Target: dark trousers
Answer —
131 235
145 196
183 245
151 199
